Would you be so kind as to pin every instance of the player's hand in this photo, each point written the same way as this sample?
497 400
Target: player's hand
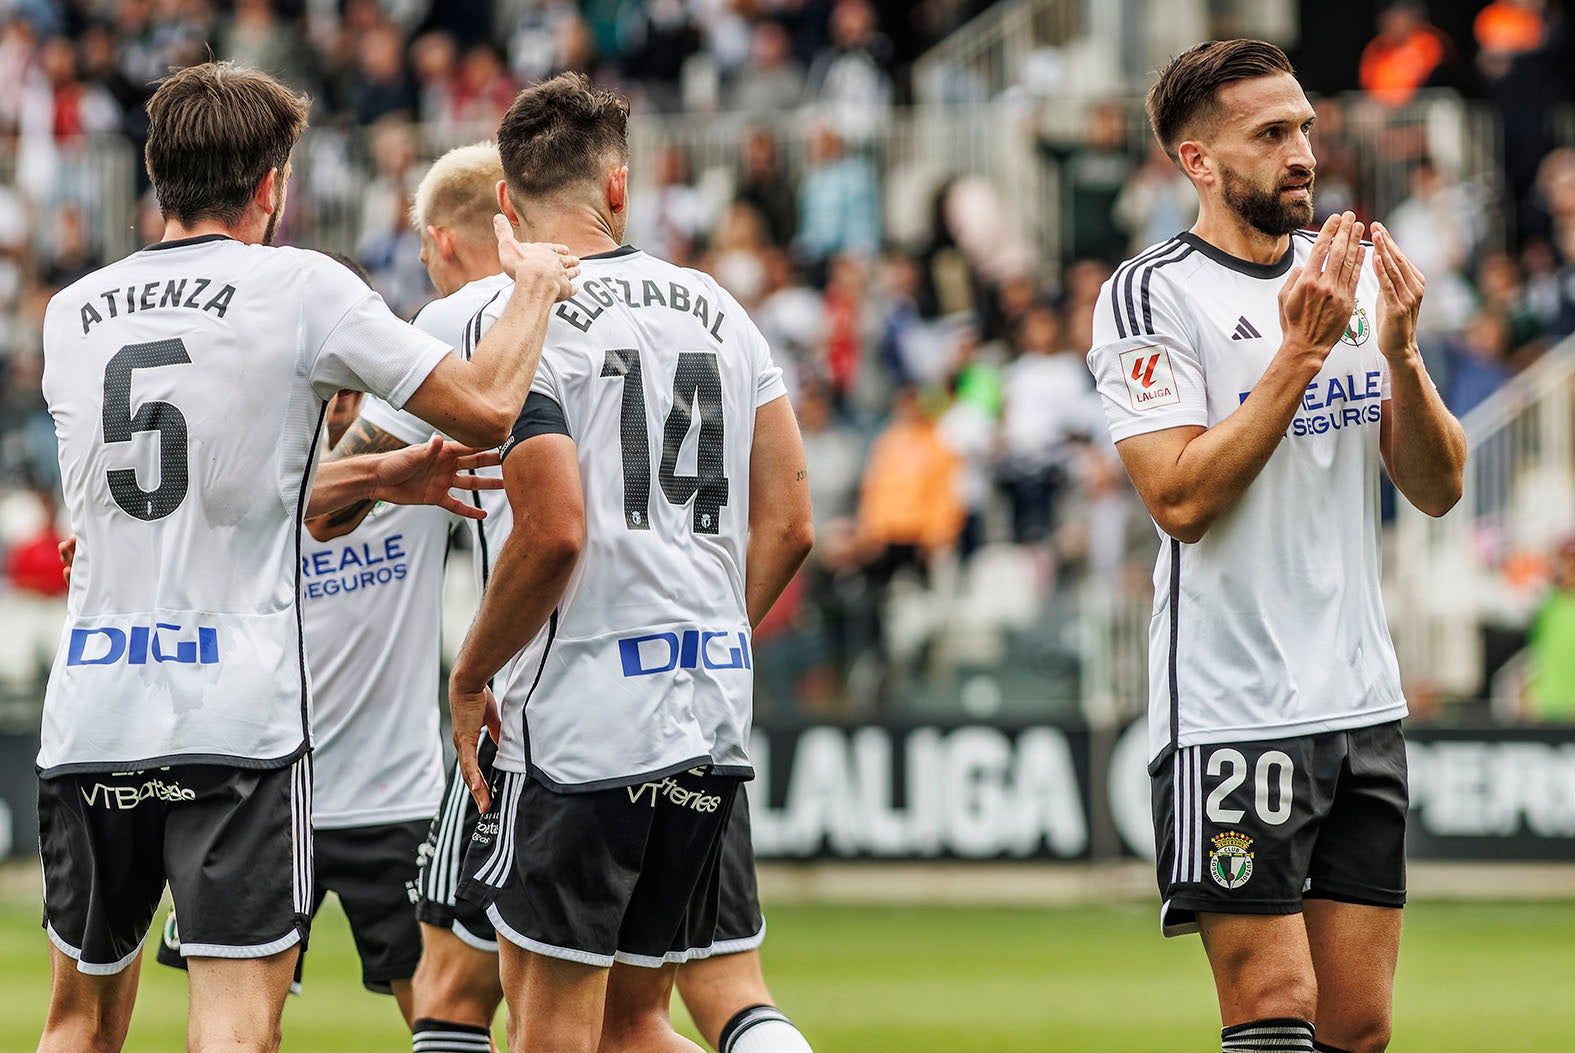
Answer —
68 556
424 475
1402 286
1319 296
527 261
473 709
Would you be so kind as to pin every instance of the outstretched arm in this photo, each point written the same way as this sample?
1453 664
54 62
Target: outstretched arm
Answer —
477 401
415 475
362 437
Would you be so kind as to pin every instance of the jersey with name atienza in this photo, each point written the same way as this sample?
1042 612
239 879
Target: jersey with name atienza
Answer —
187 384
646 666
1272 625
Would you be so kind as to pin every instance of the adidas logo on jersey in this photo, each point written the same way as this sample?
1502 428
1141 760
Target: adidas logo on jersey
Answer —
1245 330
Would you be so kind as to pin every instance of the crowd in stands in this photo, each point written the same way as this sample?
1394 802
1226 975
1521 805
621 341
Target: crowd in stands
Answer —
965 490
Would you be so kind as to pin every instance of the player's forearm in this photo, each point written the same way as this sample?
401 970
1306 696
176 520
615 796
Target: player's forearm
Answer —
521 595
500 372
1217 466
1427 455
326 520
340 483
774 556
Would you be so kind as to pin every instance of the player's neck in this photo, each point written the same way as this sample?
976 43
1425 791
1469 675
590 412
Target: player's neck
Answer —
175 230
584 232
1230 234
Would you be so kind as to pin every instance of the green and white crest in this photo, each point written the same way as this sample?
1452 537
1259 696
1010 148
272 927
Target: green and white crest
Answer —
1230 863
1356 329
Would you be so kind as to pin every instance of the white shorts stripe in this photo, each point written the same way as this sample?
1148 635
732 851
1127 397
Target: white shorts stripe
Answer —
301 833
498 865
1197 812
1177 802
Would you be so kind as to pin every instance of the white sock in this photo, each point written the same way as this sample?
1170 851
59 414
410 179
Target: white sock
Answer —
762 1029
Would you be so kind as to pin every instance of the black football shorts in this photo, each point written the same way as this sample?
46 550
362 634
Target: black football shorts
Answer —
234 845
372 869
739 923
1257 827
629 874
442 860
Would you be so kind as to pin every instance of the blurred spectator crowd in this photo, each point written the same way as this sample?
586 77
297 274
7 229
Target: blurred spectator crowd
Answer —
967 498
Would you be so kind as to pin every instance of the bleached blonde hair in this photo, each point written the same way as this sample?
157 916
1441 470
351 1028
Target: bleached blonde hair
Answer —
458 193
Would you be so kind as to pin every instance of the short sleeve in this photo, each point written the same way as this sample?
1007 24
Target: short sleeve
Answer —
406 427
354 341
1145 365
541 415
770 384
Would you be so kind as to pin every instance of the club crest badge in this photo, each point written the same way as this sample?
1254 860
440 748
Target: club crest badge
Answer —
1230 861
1356 329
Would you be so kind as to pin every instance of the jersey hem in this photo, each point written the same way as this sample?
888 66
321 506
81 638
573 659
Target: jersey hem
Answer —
616 782
170 760
1255 732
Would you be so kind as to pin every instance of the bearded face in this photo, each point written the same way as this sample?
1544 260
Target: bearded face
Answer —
1275 210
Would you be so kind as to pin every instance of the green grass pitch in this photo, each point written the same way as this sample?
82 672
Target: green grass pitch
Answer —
1472 977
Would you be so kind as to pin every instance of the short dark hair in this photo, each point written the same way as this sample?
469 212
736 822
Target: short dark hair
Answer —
1187 91
560 132
214 131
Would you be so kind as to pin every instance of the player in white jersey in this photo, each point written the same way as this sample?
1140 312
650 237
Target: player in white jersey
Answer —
659 506
1255 377
373 609
187 385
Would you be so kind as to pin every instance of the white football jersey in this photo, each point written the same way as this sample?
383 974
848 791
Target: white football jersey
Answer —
1272 625
188 384
374 604
646 667
374 622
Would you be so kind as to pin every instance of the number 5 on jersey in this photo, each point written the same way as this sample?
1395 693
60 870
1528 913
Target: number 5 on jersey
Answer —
697 387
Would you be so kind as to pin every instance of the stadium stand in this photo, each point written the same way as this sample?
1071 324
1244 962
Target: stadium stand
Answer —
918 203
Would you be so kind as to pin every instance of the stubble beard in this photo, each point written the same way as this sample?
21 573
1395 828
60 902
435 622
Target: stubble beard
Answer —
1267 211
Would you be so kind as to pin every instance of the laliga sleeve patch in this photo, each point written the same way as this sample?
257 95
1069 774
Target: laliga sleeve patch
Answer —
1150 380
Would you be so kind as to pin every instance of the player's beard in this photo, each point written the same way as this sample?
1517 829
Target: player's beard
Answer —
1267 210
278 211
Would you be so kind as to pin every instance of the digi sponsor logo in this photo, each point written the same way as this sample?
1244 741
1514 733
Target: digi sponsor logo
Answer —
1149 378
691 649
142 644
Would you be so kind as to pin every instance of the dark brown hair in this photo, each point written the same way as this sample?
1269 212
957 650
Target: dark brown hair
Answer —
560 132
1187 91
214 131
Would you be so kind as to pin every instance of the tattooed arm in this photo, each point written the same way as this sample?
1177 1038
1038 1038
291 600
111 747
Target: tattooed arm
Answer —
781 531
361 438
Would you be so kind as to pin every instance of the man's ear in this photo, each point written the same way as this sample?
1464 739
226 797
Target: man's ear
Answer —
443 241
1195 162
618 189
506 204
264 196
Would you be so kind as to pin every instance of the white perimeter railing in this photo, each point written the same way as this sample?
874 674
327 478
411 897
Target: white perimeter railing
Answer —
1448 577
